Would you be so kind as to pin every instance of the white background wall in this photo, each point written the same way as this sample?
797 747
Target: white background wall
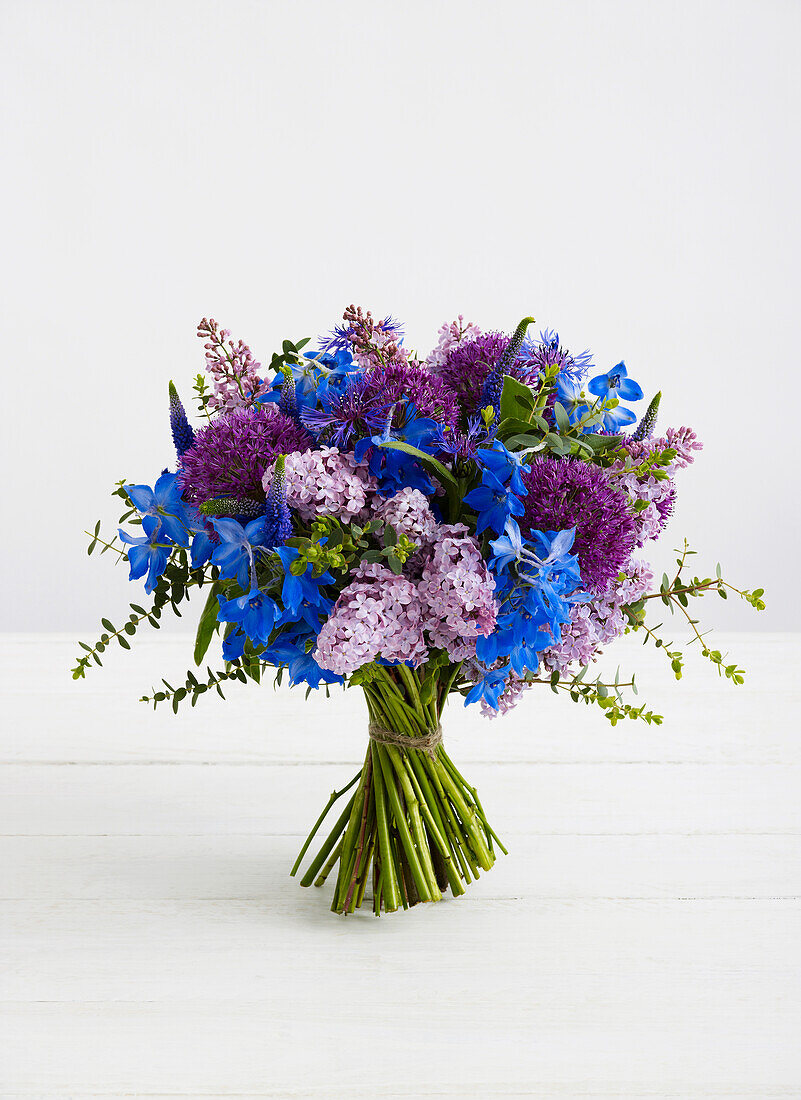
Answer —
627 172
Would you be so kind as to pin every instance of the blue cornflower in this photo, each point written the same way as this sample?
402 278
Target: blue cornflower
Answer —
255 612
164 502
493 503
305 588
234 554
616 384
148 554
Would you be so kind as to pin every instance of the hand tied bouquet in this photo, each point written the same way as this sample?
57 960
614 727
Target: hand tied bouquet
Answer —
462 524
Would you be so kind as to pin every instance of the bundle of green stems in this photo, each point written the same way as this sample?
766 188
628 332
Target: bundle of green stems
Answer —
413 826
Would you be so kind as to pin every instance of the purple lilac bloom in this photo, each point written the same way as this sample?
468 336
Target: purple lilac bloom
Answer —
378 615
595 624
654 497
467 365
230 455
457 592
408 512
448 337
232 367
565 493
327 482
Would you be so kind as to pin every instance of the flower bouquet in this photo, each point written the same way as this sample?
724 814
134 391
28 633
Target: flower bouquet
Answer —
464 524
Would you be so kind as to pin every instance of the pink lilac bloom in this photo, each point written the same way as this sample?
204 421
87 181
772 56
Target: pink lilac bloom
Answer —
408 512
566 492
230 455
327 482
233 369
655 497
457 592
449 337
378 615
594 625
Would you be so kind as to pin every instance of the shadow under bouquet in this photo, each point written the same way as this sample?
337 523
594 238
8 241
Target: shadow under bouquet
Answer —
464 524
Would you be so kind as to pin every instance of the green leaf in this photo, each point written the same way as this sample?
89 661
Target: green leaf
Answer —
208 625
561 417
431 464
517 399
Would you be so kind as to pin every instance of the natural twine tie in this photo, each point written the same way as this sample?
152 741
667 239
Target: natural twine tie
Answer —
425 742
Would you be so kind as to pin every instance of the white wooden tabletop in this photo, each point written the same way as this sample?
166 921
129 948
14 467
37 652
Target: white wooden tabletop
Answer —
641 939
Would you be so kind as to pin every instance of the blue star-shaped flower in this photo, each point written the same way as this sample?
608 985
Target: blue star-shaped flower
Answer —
165 503
616 383
493 503
255 612
148 554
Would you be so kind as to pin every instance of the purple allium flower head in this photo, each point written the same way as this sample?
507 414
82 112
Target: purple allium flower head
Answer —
467 365
565 493
230 455
360 408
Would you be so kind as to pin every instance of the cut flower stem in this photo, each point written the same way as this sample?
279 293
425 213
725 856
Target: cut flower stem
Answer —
414 827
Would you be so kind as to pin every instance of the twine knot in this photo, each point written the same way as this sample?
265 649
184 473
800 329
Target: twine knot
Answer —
425 742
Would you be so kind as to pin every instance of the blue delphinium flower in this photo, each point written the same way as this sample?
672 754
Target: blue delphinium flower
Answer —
255 612
233 556
505 465
164 502
295 652
393 468
616 384
489 687
537 580
234 644
148 553
493 503
303 589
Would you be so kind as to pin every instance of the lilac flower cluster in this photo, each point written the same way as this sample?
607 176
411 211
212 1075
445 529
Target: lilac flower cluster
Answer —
457 591
327 482
598 622
408 512
450 335
653 498
233 369
377 616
